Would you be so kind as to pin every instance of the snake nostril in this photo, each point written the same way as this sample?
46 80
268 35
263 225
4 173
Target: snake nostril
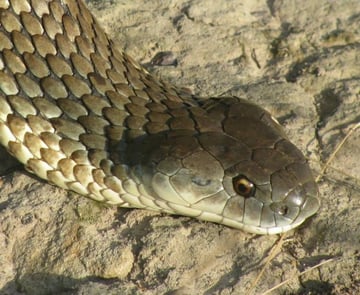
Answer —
244 186
283 210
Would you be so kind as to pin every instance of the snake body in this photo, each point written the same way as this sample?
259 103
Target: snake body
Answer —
81 114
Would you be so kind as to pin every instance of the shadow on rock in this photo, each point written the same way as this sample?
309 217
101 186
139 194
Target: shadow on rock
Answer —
46 284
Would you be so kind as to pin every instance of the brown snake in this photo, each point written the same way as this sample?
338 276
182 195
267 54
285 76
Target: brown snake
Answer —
81 114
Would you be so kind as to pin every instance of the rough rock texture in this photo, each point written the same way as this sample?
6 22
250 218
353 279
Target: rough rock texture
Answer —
300 60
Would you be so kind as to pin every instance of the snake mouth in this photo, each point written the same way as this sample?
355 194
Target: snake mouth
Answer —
282 223
309 208
296 206
274 206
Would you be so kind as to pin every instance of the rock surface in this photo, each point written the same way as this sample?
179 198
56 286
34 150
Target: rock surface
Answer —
298 59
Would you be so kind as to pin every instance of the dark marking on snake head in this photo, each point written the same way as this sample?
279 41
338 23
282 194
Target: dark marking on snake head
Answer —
201 181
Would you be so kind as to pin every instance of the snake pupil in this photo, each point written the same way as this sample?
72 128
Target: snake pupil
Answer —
243 186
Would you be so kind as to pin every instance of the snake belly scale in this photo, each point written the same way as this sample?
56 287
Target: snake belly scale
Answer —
83 115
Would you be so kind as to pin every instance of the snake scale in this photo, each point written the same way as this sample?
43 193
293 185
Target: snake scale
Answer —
83 115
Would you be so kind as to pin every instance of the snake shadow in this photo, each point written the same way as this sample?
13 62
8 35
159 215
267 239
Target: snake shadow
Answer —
49 284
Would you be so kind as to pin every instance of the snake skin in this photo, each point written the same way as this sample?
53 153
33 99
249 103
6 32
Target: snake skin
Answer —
81 114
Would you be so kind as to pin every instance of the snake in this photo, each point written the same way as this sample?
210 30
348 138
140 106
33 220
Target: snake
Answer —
83 115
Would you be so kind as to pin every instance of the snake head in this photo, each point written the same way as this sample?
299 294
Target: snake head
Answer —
244 174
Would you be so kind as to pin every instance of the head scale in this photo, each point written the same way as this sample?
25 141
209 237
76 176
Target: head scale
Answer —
245 175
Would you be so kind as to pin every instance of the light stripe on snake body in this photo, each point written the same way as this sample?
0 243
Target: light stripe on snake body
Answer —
81 114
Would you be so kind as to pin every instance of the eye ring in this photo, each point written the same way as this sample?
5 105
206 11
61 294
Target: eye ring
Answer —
243 186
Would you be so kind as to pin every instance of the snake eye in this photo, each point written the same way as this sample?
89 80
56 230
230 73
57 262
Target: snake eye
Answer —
243 186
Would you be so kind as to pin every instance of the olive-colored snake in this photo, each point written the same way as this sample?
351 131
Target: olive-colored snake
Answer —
84 116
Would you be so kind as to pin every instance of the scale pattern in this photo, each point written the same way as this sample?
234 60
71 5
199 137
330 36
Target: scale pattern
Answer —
85 116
